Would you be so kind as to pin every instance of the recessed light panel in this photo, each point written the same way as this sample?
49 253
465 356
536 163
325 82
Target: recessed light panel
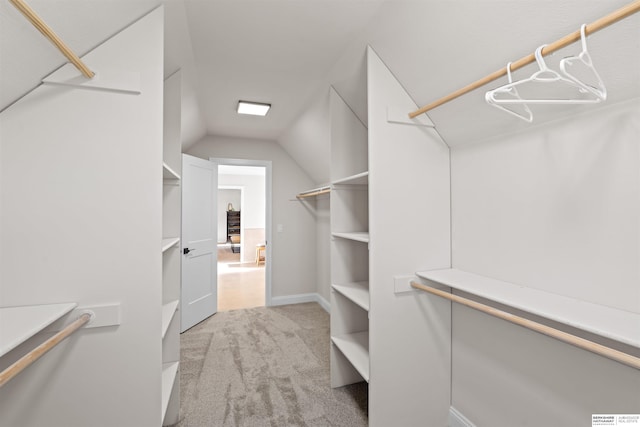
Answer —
253 108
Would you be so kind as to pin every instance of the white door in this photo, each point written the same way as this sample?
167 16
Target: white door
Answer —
199 298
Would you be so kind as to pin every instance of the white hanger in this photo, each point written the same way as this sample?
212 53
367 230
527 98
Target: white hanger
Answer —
545 82
595 84
524 113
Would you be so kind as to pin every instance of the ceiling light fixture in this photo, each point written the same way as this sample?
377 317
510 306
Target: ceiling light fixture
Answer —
253 108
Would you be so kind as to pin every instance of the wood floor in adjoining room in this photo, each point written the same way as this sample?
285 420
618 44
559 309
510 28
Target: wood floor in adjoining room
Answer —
240 285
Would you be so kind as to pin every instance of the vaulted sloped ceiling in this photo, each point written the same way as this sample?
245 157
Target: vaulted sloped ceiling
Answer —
288 52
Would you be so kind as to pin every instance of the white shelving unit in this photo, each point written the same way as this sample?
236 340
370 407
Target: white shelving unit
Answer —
171 257
619 325
357 179
349 246
169 242
357 292
168 313
355 347
358 236
169 377
168 173
21 323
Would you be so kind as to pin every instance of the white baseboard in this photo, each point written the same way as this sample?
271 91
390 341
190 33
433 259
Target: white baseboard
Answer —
301 298
456 419
324 303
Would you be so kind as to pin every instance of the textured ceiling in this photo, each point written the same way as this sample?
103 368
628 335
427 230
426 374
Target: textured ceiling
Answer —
275 51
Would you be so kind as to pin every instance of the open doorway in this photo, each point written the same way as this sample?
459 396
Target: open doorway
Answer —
242 235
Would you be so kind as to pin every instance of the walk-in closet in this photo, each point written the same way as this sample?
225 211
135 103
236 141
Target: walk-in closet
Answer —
449 221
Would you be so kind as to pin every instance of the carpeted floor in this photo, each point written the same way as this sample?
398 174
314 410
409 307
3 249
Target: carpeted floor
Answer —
264 367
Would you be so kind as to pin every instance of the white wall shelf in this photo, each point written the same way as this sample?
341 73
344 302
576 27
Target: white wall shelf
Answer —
169 372
349 222
168 173
355 347
168 311
168 243
314 192
21 323
357 179
615 324
358 236
358 292
171 256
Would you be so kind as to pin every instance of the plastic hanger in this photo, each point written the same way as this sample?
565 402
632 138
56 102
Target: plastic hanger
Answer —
590 80
545 86
520 110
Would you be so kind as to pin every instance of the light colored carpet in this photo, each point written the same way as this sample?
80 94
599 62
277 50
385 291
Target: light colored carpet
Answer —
265 366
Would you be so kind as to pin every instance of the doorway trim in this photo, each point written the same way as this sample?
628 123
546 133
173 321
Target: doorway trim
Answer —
268 213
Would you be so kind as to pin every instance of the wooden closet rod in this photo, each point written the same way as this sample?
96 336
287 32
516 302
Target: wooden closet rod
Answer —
582 343
313 193
39 351
37 22
595 26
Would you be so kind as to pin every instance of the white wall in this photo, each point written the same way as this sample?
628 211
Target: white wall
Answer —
322 207
555 208
294 249
253 208
409 222
307 140
81 222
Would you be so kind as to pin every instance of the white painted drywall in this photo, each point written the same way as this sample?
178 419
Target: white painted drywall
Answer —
409 333
307 140
294 248
555 208
323 240
253 208
81 201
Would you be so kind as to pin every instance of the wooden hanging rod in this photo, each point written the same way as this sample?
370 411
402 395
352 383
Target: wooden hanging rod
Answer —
595 26
38 352
37 22
582 343
316 192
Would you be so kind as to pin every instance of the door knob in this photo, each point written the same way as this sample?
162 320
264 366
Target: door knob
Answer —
186 251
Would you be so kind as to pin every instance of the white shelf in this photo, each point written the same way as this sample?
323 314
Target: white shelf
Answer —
169 372
358 292
618 325
168 311
18 324
357 179
169 242
168 173
359 236
355 348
